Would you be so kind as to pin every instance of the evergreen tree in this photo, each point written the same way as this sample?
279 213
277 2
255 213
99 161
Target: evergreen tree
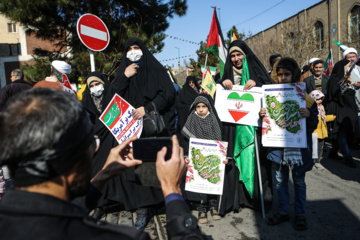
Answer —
55 20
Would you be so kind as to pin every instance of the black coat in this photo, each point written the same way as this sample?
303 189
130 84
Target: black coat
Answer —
151 84
12 89
27 215
310 84
343 106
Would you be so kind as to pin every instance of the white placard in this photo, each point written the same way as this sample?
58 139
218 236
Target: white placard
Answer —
117 117
239 106
283 126
206 170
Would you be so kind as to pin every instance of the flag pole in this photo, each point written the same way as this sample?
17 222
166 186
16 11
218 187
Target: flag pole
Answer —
203 75
259 173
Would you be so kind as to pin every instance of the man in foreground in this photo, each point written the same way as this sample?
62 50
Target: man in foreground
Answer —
47 142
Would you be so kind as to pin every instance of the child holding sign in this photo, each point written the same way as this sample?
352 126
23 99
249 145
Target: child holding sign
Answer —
202 123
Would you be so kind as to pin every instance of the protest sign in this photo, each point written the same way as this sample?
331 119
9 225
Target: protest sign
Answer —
205 173
283 126
238 105
63 80
118 118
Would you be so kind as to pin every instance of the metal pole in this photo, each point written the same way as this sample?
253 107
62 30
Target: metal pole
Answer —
203 75
179 57
92 61
219 16
259 173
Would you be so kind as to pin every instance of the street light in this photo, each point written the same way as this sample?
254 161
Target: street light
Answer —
179 57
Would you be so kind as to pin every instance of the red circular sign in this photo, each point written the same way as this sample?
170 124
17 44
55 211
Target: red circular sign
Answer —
93 32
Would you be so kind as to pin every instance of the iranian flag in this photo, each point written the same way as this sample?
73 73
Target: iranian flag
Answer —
328 64
215 42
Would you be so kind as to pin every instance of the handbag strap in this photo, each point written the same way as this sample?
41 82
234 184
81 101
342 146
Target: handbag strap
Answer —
154 106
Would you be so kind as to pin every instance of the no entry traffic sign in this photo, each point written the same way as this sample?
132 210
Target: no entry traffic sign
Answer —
93 32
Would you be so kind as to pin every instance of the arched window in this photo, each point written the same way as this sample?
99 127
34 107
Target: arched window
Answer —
319 35
354 23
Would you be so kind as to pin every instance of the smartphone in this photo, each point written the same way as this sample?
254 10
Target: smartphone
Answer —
146 149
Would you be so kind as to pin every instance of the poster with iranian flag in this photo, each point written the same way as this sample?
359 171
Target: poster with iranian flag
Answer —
118 118
239 106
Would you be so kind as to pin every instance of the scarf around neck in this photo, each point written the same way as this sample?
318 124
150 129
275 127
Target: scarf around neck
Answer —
202 127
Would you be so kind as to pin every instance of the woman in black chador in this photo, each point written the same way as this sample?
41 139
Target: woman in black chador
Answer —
242 63
184 100
146 85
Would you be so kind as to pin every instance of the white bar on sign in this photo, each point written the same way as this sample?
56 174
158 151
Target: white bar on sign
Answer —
92 32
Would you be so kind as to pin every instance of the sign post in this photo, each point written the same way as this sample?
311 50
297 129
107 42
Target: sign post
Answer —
94 34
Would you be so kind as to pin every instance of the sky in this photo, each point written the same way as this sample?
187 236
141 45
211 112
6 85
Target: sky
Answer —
248 16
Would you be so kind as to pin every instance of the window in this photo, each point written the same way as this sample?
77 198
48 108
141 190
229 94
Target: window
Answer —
319 35
12 28
354 23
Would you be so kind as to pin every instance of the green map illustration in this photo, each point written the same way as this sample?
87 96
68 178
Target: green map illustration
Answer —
286 115
207 166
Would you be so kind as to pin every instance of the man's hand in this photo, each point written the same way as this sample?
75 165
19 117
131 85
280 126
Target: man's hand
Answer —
131 70
171 172
227 84
249 84
120 158
139 113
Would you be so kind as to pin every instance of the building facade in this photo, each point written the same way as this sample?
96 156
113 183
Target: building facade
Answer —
17 47
310 33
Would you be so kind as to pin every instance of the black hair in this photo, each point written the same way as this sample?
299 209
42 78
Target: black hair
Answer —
287 65
317 62
38 127
305 68
273 57
18 73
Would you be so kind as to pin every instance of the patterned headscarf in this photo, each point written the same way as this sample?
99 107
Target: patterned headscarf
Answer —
316 94
198 127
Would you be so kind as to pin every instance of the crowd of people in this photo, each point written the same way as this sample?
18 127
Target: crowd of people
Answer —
51 160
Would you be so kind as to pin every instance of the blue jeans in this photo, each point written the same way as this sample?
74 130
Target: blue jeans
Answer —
282 179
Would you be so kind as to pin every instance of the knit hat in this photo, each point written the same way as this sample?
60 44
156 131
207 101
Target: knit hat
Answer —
316 94
92 79
61 66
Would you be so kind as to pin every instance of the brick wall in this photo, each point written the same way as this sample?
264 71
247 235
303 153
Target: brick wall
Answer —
32 42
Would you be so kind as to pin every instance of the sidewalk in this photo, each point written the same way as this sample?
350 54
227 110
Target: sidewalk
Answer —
332 211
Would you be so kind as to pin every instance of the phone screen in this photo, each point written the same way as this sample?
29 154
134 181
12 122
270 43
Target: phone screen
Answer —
146 149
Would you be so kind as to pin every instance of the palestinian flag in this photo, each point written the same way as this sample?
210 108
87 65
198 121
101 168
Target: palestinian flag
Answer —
216 44
328 64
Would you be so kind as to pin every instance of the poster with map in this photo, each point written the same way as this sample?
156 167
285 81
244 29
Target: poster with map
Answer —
206 170
118 118
238 105
283 126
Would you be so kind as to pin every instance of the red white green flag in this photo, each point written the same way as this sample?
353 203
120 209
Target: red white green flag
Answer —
215 42
328 64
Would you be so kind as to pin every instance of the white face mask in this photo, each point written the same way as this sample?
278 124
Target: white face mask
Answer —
134 55
97 91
